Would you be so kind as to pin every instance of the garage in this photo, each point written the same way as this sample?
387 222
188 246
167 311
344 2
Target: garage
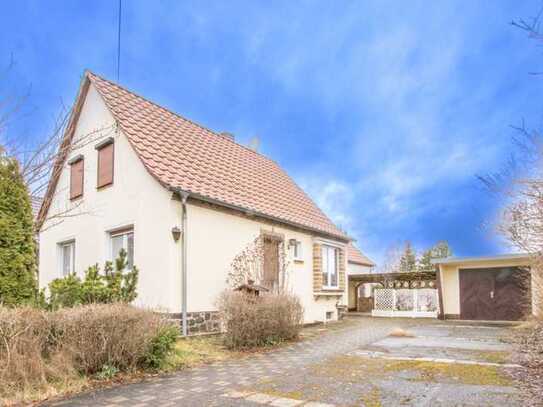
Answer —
497 288
494 294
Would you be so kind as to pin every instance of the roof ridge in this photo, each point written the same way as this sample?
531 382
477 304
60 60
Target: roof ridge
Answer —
89 72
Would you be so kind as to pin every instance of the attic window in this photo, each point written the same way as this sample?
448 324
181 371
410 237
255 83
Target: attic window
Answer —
76 176
105 162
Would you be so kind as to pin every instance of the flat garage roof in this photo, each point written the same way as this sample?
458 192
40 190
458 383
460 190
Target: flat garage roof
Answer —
482 259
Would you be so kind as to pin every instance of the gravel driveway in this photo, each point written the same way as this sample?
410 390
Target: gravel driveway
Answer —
437 364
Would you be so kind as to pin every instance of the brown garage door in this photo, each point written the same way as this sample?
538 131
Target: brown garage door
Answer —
499 294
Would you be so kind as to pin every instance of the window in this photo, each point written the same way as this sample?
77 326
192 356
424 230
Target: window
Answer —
67 257
296 250
123 239
330 266
76 177
105 163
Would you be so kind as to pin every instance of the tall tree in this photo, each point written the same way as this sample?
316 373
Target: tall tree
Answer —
438 251
18 282
408 261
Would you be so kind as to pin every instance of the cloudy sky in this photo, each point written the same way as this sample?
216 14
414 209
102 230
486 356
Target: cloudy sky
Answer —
385 112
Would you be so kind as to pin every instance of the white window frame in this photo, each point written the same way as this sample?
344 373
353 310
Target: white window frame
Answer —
297 251
61 247
124 232
325 266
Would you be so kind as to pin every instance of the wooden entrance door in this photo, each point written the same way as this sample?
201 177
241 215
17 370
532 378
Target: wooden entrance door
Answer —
271 262
499 294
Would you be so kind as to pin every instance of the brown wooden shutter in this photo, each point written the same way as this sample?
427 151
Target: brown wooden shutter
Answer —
76 179
317 267
105 165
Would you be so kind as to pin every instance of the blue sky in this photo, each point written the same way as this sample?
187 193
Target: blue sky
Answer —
383 111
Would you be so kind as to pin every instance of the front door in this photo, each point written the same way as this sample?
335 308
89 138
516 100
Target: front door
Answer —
500 294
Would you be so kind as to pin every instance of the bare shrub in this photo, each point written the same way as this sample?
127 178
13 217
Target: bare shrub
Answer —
41 348
116 335
252 321
29 357
262 263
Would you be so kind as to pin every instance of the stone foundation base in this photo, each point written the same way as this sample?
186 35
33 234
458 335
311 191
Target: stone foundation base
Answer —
199 322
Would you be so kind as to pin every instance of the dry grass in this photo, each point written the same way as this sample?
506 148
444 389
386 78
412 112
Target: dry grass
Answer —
358 369
195 351
372 398
528 342
480 375
500 357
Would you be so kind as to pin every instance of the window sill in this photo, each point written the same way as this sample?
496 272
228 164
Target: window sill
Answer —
101 187
75 198
299 261
329 294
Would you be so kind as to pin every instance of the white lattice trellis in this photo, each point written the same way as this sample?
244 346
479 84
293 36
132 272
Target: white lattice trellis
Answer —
383 299
393 302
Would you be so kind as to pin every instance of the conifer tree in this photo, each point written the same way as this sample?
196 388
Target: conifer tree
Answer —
438 251
18 282
408 261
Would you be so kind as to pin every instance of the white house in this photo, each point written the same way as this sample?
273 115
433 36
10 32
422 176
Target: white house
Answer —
183 201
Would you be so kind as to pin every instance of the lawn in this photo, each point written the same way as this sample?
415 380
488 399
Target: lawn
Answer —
194 351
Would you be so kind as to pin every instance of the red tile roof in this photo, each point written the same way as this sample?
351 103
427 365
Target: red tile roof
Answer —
182 154
354 255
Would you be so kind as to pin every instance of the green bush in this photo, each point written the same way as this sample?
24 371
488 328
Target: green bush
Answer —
65 292
160 347
115 285
18 282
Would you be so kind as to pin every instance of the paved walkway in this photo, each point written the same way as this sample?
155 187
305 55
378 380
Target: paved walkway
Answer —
429 363
216 384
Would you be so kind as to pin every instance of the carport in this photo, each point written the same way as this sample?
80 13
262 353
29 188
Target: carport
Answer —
411 294
497 288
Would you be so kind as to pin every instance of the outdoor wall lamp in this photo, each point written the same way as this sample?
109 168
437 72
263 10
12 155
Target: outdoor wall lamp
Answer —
176 233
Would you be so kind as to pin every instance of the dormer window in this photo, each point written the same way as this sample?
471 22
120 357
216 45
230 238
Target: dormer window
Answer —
105 162
77 166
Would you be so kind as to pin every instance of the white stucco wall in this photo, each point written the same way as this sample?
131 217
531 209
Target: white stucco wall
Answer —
135 198
216 237
450 281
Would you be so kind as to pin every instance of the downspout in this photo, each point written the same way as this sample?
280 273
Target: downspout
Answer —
184 196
